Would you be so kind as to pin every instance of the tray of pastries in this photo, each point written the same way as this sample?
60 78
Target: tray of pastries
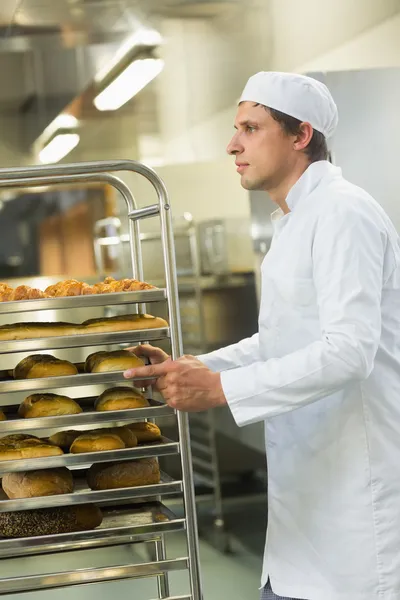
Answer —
73 293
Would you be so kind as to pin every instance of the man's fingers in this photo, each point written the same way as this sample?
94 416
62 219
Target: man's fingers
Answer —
149 371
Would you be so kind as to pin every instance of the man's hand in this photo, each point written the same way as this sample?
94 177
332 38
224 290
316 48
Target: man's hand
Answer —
186 384
155 356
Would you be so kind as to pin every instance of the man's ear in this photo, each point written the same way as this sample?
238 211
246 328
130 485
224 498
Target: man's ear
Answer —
303 138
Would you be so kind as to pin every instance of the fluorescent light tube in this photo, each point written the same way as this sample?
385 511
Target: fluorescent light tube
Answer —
58 147
132 79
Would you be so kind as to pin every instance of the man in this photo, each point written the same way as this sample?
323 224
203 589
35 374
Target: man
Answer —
324 369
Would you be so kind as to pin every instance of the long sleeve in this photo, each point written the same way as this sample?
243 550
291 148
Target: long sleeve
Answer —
348 257
243 353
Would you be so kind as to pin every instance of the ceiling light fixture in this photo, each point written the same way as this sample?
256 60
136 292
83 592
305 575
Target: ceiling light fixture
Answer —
58 147
130 82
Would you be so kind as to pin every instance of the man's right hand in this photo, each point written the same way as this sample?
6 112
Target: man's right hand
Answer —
155 356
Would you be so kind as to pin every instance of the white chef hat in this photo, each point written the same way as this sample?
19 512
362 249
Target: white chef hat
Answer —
299 96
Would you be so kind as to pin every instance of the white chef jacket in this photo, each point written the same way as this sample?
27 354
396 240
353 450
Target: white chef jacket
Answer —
324 374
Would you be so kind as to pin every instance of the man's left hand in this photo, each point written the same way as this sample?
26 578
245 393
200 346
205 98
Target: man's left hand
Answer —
185 384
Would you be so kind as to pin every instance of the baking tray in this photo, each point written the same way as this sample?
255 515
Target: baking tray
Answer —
162 448
133 336
84 495
10 585
83 301
124 524
15 424
9 385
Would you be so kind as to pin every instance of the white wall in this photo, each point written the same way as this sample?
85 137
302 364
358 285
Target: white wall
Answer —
307 29
379 47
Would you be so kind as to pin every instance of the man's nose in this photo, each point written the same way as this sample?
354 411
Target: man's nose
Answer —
234 147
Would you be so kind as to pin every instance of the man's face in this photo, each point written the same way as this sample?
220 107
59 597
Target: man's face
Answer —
263 152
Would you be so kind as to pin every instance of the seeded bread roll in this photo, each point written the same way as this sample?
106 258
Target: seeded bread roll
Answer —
43 365
27 448
119 360
8 440
48 405
49 521
44 482
120 398
123 323
96 442
145 432
105 476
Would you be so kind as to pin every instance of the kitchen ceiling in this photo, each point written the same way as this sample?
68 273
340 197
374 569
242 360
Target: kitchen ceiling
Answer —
51 49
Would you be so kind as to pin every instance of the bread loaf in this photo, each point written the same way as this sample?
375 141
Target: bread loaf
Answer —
96 442
123 323
17 437
44 482
105 476
25 331
64 439
119 360
120 398
43 365
126 435
48 405
16 449
145 432
49 521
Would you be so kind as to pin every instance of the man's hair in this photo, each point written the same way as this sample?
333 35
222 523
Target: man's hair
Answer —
317 148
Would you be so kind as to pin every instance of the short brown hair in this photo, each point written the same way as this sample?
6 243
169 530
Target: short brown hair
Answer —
317 149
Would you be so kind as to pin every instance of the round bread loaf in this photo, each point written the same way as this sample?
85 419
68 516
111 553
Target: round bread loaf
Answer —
64 439
44 482
104 362
126 435
48 405
96 442
49 521
145 432
43 365
120 398
105 476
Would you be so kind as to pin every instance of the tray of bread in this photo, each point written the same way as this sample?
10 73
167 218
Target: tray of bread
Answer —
24 337
44 371
66 528
102 483
73 294
54 411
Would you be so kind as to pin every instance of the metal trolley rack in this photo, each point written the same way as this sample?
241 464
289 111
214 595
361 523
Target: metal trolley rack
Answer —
119 525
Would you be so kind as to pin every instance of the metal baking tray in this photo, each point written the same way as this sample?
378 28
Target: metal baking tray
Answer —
84 495
9 385
133 336
32 583
162 448
83 301
15 424
124 524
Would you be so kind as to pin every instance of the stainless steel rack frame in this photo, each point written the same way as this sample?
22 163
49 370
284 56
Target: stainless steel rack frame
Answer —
120 528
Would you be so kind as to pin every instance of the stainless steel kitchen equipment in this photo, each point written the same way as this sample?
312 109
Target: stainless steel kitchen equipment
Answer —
119 525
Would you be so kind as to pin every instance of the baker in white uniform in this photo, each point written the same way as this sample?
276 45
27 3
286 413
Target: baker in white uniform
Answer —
323 371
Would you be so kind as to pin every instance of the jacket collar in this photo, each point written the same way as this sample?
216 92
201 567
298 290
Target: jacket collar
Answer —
310 179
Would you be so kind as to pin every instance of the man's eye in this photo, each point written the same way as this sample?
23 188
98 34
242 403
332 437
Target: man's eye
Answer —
250 128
